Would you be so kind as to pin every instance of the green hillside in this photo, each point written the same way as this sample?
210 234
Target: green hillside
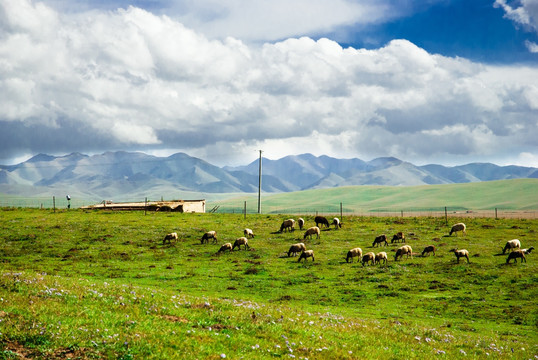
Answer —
518 194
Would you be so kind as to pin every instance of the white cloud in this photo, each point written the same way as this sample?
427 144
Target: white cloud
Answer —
132 79
525 14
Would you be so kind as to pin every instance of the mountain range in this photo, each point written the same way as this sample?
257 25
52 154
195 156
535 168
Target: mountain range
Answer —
126 175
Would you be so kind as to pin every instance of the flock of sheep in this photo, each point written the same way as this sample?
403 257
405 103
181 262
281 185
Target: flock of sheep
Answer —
370 257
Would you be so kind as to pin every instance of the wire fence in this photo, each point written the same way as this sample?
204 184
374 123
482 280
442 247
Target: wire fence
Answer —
456 212
53 202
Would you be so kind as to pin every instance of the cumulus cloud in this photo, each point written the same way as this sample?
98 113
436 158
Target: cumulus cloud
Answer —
129 79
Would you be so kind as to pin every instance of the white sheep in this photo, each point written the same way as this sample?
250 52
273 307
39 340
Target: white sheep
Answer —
311 231
381 256
368 257
403 250
296 248
457 227
287 225
429 249
300 222
209 235
515 255
170 237
380 239
527 251
227 246
248 233
461 253
241 241
337 224
512 244
355 252
306 254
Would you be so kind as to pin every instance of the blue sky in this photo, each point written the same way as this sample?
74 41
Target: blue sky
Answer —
437 81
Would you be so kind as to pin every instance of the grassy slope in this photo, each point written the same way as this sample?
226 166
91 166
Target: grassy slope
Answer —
518 194
101 284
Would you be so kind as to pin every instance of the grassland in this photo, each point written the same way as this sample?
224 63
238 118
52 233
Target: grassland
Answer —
517 194
89 285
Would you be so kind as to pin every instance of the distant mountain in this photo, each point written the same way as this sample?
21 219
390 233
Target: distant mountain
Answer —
123 175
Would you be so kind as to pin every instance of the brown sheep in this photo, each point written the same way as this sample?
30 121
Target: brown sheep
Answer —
337 224
512 244
355 252
306 254
170 237
457 227
209 235
227 246
241 241
461 253
398 237
429 249
368 257
380 239
248 233
296 248
300 222
381 256
287 225
515 255
403 250
311 231
321 220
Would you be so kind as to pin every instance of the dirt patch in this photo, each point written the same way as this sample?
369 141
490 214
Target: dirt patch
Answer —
22 352
174 318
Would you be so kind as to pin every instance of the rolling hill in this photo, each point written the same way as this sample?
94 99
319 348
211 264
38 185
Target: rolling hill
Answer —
123 176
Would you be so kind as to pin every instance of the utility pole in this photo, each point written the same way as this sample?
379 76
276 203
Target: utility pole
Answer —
260 184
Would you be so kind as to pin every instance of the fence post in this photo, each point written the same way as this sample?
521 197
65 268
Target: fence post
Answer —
145 206
245 209
446 217
54 203
341 214
496 218
401 212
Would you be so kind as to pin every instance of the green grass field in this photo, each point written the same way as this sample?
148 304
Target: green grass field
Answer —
101 285
518 194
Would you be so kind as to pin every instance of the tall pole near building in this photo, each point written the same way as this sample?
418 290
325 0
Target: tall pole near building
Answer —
260 184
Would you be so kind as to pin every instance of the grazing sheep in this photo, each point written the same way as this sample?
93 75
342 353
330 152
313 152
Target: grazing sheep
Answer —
515 255
227 246
321 220
337 224
209 235
512 244
287 225
380 239
403 250
248 233
457 227
170 237
461 253
355 252
381 256
368 257
398 237
311 231
306 254
241 241
429 249
527 251
296 248
300 222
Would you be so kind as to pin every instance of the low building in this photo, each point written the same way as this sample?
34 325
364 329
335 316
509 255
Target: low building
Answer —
183 206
